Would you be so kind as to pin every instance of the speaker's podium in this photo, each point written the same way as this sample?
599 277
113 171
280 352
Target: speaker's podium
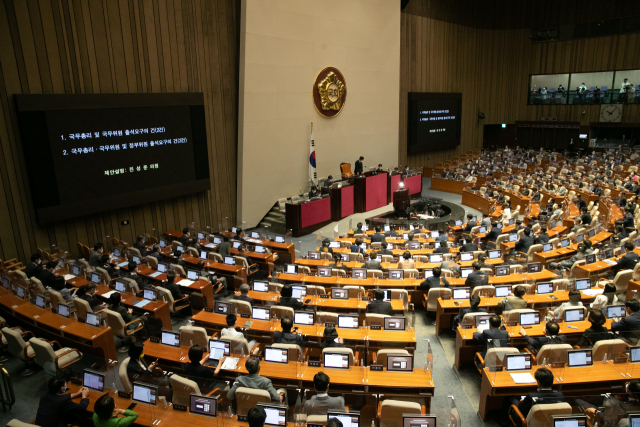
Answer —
401 200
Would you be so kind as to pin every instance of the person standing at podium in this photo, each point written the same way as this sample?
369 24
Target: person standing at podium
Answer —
358 169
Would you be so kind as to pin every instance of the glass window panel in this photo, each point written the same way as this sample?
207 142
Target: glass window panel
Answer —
633 84
548 89
590 88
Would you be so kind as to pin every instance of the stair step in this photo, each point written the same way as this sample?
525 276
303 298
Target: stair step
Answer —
274 216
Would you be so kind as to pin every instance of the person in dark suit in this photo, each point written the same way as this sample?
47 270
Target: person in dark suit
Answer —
580 202
628 260
410 240
286 336
322 399
169 285
597 331
470 224
620 232
287 300
244 294
185 239
494 332
114 305
329 181
200 374
372 264
358 168
95 256
544 395
356 249
131 274
57 409
139 371
33 268
46 275
469 246
477 277
224 248
525 242
89 295
379 305
492 236
551 336
632 321
139 245
543 237
474 302
155 252
392 232
434 281
443 249
113 272
378 237
586 218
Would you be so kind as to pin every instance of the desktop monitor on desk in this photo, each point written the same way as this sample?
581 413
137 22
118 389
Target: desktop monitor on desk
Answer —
359 273
347 321
121 286
518 362
564 243
335 360
6 283
193 275
527 319
236 245
276 415
590 259
170 338
592 233
503 271
345 257
40 302
458 223
162 267
279 239
580 238
494 254
324 271
574 315
615 311
482 230
93 380
163 244
582 284
276 355
298 292
544 288
465 272
259 313
503 291
339 293
334 244
200 236
217 240
466 256
95 278
291 269
396 274
229 260
399 363
534 267
460 293
221 307
634 354
547 247
260 286
434 234
394 323
435 258
203 255
413 245
150 294
116 251
136 259
145 393
203 405
313 255
64 310
415 420
428 273
304 318
93 319
579 358
219 348
76 270
513 237
255 235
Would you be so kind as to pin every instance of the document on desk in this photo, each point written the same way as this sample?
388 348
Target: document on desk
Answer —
210 245
230 363
123 264
142 303
186 282
610 262
593 292
156 274
108 294
256 241
523 378
68 277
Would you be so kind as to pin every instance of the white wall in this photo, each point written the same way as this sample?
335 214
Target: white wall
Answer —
284 44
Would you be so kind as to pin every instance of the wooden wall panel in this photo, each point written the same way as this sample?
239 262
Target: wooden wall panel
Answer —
117 46
491 69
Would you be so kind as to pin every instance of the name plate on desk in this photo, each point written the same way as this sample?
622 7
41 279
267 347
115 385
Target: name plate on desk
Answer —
81 320
376 327
329 325
246 316
495 368
314 364
366 299
182 408
208 310
76 381
154 339
242 418
124 394
375 367
325 296
466 326
445 297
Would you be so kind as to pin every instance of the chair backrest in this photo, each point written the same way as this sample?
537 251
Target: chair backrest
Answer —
355 291
381 355
124 378
132 284
82 307
37 286
242 262
374 319
153 262
327 317
241 307
18 423
553 353
487 291
613 348
238 345
622 280
295 351
374 273
115 322
434 294
495 355
280 311
540 415
247 398
411 273
179 269
315 290
166 296
214 256
342 350
182 389
391 411
45 356
15 343
514 315
56 298
104 275
194 335
576 264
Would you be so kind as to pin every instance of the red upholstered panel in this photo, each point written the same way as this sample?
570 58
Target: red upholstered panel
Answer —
315 212
346 200
413 184
376 192
395 180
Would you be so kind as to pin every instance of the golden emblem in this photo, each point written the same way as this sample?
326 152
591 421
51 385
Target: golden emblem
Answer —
329 92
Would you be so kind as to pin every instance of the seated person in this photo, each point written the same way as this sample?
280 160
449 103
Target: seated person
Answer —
378 237
244 294
105 413
492 235
470 224
379 305
138 370
568 263
525 242
544 395
574 301
597 331
443 249
176 293
287 300
60 285
254 380
356 249
435 281
95 257
358 229
88 293
474 307
514 301
477 277
337 262
256 416
469 246
407 263
155 252
331 338
113 272
607 298
286 336
224 249
489 336
632 321
406 242
46 275
319 403
230 331
629 260
543 236
139 245
34 268
200 374
56 408
131 274
551 330
372 264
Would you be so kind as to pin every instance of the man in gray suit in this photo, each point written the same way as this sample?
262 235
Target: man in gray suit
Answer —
372 264
224 248
95 258
321 402
253 380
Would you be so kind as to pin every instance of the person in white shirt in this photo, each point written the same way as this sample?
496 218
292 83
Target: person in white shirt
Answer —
574 301
230 331
625 86
506 212
608 297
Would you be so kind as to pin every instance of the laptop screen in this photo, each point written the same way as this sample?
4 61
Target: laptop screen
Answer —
40 301
145 393
334 244
276 415
513 237
412 420
279 239
229 260
503 291
64 311
348 322
192 275
219 348
579 358
298 292
634 354
614 311
203 255
93 319
570 421
466 256
260 313
582 284
564 243
255 235
95 278
494 254
396 274
162 268
291 269
547 247
436 258
465 272
150 294
545 288
217 240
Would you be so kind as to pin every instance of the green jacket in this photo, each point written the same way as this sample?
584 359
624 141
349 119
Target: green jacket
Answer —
129 418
